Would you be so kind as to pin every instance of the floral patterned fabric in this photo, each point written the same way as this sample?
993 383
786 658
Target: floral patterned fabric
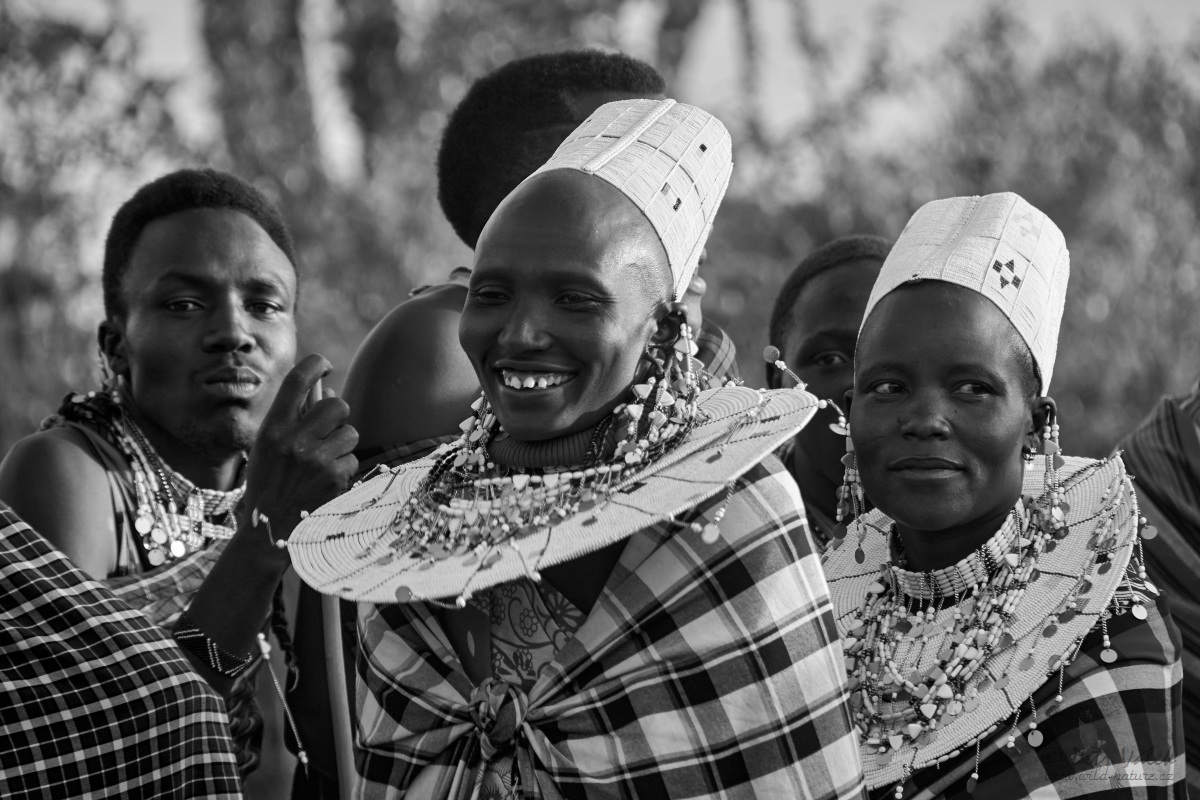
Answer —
529 623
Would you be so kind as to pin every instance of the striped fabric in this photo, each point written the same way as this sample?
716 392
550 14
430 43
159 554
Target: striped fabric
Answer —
702 671
1118 732
1163 455
97 701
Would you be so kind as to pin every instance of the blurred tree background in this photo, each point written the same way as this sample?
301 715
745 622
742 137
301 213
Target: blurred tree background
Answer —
1097 131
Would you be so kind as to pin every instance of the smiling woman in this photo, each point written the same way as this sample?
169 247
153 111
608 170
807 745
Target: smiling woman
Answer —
605 587
570 289
1002 640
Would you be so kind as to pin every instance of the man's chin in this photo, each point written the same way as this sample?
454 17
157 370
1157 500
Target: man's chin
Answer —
223 435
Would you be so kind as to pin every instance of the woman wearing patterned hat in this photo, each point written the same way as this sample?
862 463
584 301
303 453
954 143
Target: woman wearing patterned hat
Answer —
1001 638
605 588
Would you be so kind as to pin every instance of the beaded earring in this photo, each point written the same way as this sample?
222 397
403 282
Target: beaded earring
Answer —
851 499
665 403
477 431
108 379
850 495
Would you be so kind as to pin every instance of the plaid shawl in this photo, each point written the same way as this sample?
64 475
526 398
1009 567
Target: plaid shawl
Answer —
1117 733
702 670
96 700
1163 455
716 350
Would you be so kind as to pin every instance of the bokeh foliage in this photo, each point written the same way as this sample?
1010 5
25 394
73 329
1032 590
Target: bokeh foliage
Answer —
1095 130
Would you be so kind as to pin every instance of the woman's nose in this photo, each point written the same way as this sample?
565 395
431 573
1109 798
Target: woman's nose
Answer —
523 330
925 416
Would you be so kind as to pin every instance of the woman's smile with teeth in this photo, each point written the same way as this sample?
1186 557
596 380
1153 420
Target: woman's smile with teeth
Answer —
532 380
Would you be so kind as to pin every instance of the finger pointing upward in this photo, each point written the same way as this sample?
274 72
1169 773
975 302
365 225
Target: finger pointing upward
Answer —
294 390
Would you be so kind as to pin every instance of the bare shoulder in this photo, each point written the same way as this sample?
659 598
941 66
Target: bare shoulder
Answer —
410 379
54 483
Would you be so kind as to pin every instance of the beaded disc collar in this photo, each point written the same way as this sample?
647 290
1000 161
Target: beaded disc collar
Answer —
372 544
968 660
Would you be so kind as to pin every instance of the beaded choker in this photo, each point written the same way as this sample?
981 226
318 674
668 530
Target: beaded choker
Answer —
978 567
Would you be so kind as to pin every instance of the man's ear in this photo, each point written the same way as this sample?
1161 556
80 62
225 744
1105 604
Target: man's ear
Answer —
1044 412
847 399
111 338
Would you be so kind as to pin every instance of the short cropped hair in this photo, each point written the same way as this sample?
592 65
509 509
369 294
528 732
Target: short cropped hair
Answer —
183 190
825 257
511 121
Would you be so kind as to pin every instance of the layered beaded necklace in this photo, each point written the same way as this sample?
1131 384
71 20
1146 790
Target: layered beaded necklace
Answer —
912 667
469 503
166 534
893 702
174 517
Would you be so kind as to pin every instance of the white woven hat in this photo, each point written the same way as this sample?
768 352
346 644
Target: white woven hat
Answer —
998 245
672 160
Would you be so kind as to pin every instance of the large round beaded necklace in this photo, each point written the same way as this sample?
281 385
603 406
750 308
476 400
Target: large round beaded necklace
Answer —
894 703
469 502
173 517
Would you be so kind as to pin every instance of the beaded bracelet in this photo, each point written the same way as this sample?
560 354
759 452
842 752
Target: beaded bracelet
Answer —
199 644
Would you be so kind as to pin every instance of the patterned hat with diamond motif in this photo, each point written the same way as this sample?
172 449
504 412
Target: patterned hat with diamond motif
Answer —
998 245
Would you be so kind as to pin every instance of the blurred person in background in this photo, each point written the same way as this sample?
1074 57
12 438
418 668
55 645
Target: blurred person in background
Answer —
1163 455
145 483
814 325
410 383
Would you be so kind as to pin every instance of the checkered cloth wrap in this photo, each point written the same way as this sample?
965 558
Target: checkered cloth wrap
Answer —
702 671
163 594
716 351
1118 732
97 702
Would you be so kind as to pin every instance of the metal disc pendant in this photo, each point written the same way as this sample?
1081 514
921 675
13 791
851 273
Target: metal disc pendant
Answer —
839 429
1026 664
158 535
971 784
971 705
883 759
143 524
1067 615
156 557
1108 655
860 556
1139 611
1002 683
985 684
178 549
1105 567
1050 630
1034 738
1149 532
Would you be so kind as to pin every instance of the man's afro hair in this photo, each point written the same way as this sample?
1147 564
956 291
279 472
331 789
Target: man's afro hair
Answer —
183 190
511 121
